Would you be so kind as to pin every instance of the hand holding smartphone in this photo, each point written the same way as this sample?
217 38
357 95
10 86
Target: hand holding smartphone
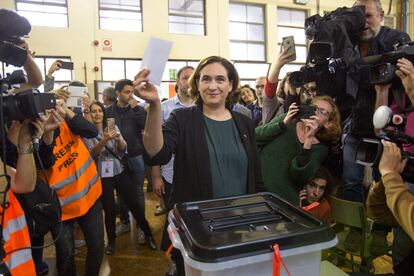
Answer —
66 65
305 111
288 43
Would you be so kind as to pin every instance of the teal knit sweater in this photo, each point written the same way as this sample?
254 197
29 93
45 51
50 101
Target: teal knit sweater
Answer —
279 149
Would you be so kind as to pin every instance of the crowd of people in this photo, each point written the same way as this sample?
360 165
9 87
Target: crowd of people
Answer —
214 139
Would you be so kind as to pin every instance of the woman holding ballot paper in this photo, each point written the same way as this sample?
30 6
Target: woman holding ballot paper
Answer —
212 144
215 148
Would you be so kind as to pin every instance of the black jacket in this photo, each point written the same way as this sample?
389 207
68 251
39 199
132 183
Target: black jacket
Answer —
358 83
131 123
184 136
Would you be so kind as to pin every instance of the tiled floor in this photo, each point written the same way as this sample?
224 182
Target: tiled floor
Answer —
129 258
133 259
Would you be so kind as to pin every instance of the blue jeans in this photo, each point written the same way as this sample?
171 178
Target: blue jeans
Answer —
91 225
352 173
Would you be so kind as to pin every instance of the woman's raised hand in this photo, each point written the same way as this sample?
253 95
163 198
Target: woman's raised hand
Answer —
144 89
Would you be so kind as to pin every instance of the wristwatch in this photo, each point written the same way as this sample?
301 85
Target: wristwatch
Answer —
25 150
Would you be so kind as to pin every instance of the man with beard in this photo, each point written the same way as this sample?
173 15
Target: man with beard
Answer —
373 40
162 178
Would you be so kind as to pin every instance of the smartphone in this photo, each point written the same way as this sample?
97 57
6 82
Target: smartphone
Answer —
305 111
66 65
76 94
288 42
110 122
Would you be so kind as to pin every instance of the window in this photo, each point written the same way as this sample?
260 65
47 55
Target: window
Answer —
249 72
247 32
292 22
120 15
115 69
186 17
62 77
51 13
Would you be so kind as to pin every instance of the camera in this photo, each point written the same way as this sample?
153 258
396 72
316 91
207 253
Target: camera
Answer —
12 28
382 67
305 112
332 50
29 104
369 151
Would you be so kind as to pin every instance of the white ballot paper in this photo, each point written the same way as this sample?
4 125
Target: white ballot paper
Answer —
155 58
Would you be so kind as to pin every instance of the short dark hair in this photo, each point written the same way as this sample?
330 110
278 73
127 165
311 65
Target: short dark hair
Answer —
77 83
104 123
251 89
232 75
120 84
182 69
179 74
323 173
110 93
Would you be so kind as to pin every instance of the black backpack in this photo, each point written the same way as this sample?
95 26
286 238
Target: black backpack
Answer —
41 208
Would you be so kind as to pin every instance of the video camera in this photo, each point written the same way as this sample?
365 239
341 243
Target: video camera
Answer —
332 49
382 67
12 28
369 151
29 104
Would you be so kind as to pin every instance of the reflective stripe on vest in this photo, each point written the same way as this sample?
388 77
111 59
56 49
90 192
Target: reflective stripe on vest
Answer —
74 176
19 257
16 236
14 225
80 194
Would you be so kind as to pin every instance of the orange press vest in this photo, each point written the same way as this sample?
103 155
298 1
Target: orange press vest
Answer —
74 175
16 235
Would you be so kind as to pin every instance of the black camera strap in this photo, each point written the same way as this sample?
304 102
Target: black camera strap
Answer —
109 150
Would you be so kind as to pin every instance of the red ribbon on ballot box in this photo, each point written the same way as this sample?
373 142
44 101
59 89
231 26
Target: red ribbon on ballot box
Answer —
277 260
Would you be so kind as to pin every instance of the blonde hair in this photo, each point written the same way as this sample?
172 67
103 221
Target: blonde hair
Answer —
334 131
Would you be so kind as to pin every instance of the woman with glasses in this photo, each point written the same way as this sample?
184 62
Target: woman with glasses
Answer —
292 151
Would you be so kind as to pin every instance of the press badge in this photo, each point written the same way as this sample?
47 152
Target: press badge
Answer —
107 169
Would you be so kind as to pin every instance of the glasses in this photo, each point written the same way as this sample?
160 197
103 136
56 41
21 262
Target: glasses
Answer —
260 86
311 90
323 112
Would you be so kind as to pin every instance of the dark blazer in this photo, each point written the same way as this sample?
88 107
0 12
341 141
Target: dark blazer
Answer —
184 136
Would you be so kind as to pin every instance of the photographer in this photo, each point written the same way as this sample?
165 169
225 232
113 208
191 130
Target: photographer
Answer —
292 150
22 180
402 101
373 40
391 202
73 159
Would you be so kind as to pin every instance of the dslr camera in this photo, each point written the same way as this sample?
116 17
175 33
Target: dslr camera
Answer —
29 104
369 151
